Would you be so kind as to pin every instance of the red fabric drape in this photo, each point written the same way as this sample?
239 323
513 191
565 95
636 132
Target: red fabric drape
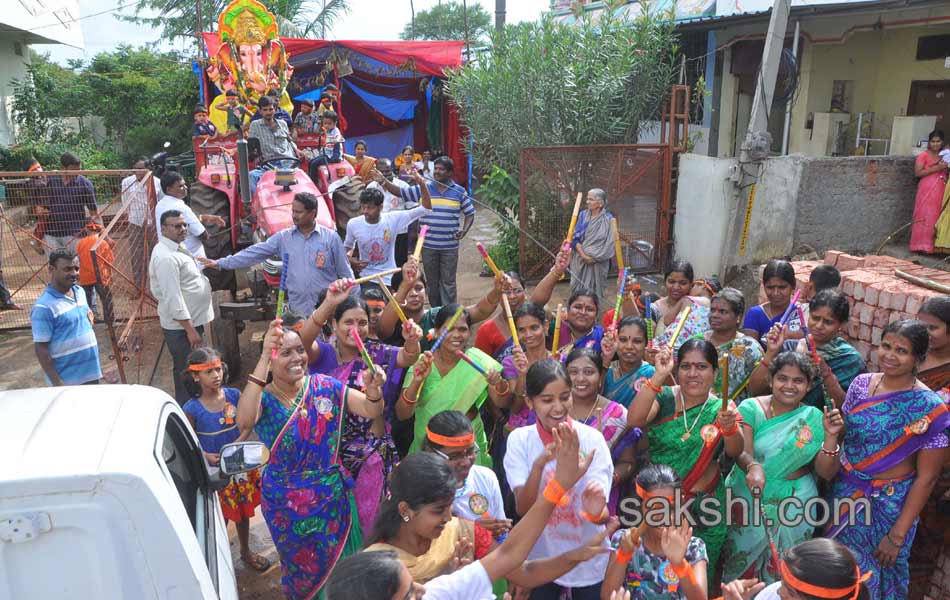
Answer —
454 142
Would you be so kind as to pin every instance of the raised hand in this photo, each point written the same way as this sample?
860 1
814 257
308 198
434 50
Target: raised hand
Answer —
563 259
422 367
726 419
462 554
594 499
741 589
545 457
520 360
774 340
664 363
595 545
674 542
630 540
833 423
608 345
273 337
411 332
494 378
571 466
410 269
374 379
497 527
338 291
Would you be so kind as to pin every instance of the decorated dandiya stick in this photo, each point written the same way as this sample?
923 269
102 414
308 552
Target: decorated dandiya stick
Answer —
557 330
648 313
724 388
447 329
392 300
684 314
791 307
369 278
422 237
511 320
488 259
773 549
617 249
620 293
359 345
471 362
281 293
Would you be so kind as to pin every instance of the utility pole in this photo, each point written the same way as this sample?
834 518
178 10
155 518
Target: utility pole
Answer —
499 15
756 146
199 28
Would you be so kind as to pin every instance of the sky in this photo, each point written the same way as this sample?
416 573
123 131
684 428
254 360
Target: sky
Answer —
368 20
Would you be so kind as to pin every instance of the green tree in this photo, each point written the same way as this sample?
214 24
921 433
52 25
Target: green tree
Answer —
177 19
446 21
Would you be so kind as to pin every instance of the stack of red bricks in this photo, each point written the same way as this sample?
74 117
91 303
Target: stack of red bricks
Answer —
878 297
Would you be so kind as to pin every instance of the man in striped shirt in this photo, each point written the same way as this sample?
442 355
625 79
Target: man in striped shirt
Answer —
440 251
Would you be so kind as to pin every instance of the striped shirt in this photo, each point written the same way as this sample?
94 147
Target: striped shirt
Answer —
448 205
63 323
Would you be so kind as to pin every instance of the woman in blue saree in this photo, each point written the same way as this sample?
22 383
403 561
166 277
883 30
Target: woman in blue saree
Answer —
840 363
620 383
890 457
305 492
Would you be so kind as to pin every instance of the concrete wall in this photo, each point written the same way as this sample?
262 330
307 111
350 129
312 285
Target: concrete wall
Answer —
853 204
849 204
12 67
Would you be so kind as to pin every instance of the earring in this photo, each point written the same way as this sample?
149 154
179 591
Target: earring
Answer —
405 518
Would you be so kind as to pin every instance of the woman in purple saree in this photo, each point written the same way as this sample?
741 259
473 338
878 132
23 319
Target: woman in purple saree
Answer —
306 498
367 449
890 458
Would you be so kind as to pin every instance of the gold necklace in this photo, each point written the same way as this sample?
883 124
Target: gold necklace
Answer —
286 404
689 430
592 409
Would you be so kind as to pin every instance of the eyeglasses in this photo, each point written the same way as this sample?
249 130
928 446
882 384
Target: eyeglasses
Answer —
471 452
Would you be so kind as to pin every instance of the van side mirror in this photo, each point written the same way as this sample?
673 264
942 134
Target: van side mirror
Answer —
240 457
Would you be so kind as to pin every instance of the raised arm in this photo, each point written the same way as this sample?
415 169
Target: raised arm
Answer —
388 319
419 180
541 294
368 405
336 294
644 403
485 307
249 405
406 405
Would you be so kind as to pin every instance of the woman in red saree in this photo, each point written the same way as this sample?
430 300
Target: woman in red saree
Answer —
932 172
305 491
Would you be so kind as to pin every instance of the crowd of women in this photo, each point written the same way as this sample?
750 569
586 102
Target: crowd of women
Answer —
406 463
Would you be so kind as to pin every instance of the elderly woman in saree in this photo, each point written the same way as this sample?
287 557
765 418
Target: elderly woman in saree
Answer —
786 443
305 491
893 449
593 245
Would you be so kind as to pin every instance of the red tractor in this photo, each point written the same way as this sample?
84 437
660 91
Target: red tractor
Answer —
222 166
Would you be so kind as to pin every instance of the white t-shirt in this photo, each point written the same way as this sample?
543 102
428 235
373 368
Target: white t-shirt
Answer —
471 582
195 228
391 202
566 529
770 592
480 497
135 194
377 242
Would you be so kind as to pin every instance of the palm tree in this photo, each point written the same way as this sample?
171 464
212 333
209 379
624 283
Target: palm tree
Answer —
301 18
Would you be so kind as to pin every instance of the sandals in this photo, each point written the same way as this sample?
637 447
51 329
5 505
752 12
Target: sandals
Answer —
256 561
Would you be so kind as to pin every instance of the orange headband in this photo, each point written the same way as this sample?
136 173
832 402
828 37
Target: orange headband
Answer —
823 592
707 286
645 495
376 303
36 167
205 366
462 441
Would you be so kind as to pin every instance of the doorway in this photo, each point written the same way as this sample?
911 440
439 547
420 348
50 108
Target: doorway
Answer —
930 98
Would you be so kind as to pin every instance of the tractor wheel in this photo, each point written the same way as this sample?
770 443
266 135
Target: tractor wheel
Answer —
225 335
209 201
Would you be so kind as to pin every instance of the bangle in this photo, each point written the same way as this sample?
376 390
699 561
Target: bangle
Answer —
656 388
622 558
835 453
373 400
554 493
893 543
752 464
683 571
765 362
404 396
595 520
507 388
252 378
731 431
316 322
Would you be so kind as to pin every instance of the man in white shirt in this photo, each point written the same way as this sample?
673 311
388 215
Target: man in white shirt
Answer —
183 294
393 202
135 199
174 190
374 233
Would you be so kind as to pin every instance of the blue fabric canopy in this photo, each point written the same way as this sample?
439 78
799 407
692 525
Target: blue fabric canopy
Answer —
311 95
391 108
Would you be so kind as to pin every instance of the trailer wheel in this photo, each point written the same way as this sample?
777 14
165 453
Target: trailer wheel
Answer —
225 335
209 201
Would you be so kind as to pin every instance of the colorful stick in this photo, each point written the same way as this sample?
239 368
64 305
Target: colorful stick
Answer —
422 236
773 550
471 362
813 352
620 293
617 249
281 293
511 320
557 330
392 299
362 349
647 312
447 329
488 259
679 327
725 382
791 307
369 278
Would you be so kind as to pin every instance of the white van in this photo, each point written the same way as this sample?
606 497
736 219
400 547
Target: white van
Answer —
104 493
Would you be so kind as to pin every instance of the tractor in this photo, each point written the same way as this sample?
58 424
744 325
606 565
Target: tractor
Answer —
221 188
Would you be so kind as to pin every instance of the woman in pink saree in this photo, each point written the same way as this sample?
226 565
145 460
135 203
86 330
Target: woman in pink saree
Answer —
931 169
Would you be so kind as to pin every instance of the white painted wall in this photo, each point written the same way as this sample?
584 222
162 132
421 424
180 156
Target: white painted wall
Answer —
908 132
699 226
12 67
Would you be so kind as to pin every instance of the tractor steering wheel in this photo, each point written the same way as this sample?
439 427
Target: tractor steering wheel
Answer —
268 163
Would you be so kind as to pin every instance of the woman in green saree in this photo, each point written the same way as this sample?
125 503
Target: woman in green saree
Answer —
786 444
839 362
688 429
442 380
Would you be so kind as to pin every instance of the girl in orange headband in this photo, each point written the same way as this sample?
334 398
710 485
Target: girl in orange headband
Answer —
212 412
818 569
658 561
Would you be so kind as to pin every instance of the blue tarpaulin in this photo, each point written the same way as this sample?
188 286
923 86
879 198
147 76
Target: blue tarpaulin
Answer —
391 108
